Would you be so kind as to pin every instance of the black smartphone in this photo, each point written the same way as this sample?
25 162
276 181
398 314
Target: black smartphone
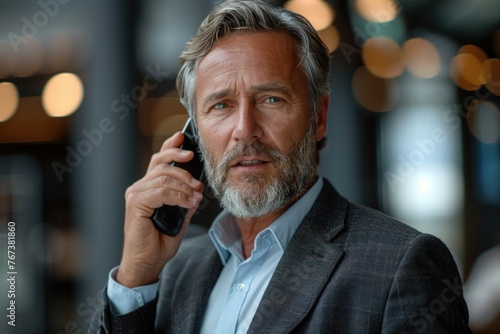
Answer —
169 219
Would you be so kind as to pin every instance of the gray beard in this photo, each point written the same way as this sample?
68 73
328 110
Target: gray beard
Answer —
260 196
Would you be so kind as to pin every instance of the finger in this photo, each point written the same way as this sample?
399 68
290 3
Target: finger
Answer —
174 172
169 156
172 142
166 175
187 220
176 197
167 182
142 204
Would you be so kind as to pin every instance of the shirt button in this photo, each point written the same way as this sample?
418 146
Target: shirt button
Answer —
240 286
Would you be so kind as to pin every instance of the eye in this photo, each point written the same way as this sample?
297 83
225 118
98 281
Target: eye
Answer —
220 105
273 99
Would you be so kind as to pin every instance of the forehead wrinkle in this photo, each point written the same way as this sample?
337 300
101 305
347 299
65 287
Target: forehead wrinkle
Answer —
285 42
228 63
216 95
271 87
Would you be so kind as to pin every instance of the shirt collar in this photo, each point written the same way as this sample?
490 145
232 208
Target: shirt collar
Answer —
225 233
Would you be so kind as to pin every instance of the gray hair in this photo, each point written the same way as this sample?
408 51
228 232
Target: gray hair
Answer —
255 16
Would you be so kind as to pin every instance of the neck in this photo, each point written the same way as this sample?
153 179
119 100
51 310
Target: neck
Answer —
251 226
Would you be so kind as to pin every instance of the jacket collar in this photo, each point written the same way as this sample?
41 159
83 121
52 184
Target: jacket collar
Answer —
305 267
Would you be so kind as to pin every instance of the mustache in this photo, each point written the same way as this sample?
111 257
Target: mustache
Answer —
244 149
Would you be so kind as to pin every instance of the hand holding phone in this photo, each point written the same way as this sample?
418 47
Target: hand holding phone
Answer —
169 219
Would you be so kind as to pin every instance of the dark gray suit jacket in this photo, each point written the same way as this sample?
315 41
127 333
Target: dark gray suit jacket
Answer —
347 269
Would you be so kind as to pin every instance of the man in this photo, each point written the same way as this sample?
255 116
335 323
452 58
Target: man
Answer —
288 254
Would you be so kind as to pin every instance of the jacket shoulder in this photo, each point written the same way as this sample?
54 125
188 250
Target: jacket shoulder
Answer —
358 221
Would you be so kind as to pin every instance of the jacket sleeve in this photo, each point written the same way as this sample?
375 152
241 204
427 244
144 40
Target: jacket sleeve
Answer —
426 295
140 321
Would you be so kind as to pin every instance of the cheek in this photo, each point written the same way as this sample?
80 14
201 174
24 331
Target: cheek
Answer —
213 140
286 135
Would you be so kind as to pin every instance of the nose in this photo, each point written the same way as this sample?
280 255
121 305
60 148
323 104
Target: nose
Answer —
248 127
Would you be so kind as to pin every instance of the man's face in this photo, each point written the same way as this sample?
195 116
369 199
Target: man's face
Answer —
254 118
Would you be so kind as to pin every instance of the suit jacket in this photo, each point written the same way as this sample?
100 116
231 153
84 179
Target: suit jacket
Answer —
347 269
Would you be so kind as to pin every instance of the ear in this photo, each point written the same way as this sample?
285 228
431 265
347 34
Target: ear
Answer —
322 117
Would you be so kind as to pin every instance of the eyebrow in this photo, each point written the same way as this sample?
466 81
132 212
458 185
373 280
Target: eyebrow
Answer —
268 87
216 95
272 87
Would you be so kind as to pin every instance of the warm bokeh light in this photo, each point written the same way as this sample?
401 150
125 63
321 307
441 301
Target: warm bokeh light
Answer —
9 100
318 12
467 71
373 93
473 50
62 95
484 121
377 10
466 68
491 68
30 58
421 58
383 57
480 55
331 37
8 60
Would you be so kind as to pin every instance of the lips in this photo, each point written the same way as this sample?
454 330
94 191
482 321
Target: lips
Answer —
248 161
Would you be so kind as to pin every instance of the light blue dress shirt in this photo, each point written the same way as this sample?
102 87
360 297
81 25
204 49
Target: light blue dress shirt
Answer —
242 282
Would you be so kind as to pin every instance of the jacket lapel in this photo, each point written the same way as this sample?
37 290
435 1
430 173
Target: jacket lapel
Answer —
193 294
305 267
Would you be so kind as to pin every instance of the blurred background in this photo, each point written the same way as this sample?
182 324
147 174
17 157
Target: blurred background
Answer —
87 94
